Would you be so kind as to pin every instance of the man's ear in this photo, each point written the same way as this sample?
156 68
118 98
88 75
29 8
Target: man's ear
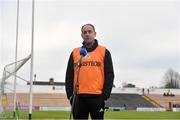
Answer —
95 34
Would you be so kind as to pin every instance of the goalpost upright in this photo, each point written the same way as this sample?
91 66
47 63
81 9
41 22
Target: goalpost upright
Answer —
32 64
16 51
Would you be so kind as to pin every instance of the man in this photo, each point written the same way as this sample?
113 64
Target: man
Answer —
95 77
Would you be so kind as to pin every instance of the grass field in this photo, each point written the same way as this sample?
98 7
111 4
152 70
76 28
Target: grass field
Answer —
108 115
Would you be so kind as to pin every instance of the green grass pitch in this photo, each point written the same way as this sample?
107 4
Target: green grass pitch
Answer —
108 115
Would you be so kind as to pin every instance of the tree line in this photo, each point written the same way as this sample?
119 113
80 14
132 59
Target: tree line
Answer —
171 79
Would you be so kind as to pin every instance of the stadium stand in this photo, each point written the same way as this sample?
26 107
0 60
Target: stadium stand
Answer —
119 99
129 101
166 101
40 99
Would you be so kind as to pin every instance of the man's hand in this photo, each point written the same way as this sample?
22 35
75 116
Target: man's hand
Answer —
71 100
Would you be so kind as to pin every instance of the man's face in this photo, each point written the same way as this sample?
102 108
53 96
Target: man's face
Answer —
88 34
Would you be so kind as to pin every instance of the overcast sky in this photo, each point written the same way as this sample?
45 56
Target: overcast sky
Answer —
143 36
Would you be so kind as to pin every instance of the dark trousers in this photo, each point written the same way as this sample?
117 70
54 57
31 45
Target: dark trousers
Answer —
84 106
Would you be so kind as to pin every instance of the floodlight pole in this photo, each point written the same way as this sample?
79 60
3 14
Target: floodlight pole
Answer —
16 51
32 64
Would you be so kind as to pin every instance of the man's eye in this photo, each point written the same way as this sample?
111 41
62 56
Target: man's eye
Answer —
90 31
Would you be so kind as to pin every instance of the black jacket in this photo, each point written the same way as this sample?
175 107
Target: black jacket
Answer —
108 73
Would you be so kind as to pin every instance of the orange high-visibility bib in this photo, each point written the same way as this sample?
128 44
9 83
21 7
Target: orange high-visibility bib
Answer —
91 76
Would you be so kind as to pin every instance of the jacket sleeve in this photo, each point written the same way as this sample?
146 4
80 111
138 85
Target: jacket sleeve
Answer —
69 77
108 74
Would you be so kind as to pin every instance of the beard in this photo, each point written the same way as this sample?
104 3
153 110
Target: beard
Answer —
89 43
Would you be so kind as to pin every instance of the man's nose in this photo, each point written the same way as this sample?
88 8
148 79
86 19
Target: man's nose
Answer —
87 34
